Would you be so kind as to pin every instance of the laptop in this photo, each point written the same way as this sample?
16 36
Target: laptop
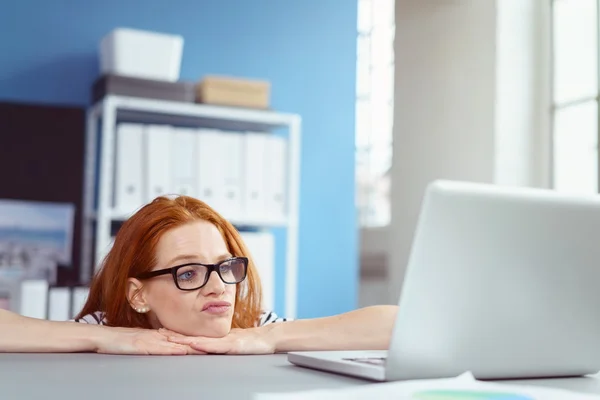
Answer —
501 282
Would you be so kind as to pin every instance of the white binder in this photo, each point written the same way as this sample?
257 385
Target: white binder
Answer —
209 167
129 167
34 298
276 181
184 161
255 151
80 295
229 191
59 304
157 161
262 250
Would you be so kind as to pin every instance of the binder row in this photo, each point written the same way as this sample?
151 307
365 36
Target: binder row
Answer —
240 174
36 299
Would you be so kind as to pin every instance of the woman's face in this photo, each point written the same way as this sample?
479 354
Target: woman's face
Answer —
207 311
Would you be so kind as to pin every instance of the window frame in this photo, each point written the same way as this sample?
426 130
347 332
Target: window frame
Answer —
578 101
367 180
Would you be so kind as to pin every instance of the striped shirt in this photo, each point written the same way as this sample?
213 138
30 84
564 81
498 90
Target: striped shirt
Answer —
98 318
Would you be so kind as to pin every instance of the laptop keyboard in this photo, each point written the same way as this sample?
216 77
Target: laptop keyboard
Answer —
368 360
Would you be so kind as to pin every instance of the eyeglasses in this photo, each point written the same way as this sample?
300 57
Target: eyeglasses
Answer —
193 276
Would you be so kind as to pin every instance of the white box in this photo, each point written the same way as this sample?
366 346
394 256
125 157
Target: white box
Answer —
141 54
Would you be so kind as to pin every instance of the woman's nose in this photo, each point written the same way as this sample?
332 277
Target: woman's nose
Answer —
214 285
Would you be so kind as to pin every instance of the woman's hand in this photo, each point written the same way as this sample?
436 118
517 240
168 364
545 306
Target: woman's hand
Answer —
137 341
238 341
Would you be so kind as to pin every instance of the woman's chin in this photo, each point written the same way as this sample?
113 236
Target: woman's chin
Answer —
219 330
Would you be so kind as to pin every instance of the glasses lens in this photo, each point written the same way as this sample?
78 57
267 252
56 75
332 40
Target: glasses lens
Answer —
233 271
191 276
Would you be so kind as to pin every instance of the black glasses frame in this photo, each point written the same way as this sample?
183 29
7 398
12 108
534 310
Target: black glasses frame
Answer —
211 267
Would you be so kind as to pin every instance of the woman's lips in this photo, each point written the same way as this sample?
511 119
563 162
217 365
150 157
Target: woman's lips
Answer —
216 307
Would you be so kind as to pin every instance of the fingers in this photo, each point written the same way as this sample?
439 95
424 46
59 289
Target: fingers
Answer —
192 351
168 332
163 348
203 345
171 350
211 348
180 339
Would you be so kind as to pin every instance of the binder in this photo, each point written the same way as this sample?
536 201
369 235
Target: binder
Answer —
184 161
157 161
59 304
80 295
262 250
276 181
128 168
209 167
255 151
34 298
229 192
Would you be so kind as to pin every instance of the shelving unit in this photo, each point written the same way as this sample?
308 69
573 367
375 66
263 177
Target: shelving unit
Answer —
98 212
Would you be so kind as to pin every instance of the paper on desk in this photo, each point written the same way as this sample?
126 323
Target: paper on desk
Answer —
460 388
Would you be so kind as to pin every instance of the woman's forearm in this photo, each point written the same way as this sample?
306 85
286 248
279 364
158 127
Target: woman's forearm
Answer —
19 334
368 328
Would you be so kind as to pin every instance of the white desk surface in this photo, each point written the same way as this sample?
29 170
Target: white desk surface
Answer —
95 376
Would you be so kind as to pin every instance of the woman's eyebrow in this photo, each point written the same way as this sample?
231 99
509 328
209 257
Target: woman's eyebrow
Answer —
192 258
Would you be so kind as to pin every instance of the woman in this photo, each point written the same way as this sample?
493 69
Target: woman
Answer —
178 267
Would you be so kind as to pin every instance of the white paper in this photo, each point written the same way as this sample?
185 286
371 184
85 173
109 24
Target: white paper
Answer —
417 390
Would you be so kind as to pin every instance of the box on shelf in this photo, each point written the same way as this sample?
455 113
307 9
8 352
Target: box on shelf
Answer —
142 54
237 92
146 88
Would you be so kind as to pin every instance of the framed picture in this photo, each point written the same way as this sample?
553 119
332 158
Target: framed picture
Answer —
35 238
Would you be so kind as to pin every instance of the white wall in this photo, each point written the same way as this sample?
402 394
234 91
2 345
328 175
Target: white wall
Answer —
465 109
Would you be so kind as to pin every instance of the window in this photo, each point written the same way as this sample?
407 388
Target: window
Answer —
374 110
575 95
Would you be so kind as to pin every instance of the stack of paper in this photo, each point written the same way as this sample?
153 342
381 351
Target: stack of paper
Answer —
461 388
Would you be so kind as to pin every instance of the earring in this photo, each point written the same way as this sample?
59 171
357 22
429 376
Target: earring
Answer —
142 310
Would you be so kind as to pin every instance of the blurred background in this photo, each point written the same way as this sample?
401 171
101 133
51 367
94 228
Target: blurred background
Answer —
313 125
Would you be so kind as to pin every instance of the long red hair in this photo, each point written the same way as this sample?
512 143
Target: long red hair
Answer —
133 252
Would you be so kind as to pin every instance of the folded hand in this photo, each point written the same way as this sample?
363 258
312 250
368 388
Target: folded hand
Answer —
138 341
238 341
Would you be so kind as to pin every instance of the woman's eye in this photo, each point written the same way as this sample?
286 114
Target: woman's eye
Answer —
186 275
225 267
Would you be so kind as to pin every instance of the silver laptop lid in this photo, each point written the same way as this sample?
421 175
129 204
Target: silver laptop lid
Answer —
503 282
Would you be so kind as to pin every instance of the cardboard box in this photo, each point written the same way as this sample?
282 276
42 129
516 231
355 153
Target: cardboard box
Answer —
236 92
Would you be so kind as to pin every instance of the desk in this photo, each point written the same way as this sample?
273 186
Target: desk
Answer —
101 377
98 377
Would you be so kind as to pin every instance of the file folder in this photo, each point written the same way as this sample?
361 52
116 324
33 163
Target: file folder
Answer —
255 151
276 181
128 168
229 192
262 250
209 170
184 161
80 295
59 304
34 298
157 165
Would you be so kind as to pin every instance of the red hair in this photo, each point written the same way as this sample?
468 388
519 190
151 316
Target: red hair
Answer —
134 250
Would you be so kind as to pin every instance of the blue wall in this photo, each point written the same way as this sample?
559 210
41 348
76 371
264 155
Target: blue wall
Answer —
306 48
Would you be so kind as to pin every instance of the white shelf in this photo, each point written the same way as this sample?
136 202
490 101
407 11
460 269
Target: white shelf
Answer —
99 169
263 223
191 114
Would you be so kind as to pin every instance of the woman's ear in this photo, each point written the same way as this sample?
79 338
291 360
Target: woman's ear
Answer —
135 296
